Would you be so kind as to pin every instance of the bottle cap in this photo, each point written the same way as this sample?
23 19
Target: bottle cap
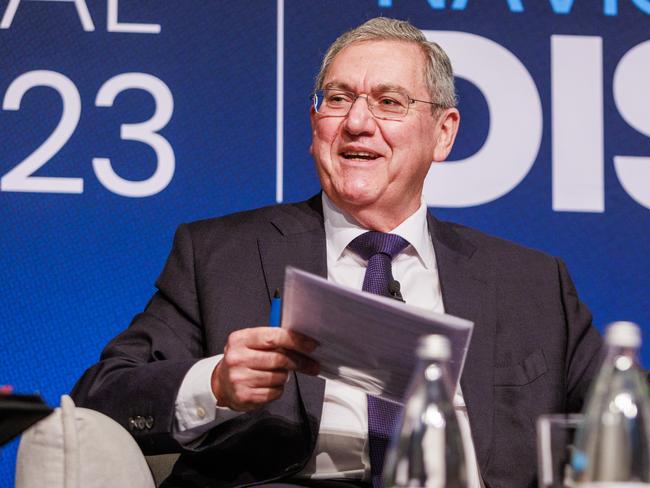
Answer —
623 334
434 346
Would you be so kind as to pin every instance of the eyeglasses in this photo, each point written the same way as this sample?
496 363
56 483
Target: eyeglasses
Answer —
389 105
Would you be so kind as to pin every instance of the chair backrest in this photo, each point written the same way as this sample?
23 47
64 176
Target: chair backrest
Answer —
80 448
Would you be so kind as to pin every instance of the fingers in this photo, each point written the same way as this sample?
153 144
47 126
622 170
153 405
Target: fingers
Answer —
262 379
256 360
247 392
269 338
256 365
244 389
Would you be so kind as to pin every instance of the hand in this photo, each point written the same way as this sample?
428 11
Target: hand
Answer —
256 365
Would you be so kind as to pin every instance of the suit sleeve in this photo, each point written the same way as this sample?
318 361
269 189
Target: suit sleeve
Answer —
140 371
584 344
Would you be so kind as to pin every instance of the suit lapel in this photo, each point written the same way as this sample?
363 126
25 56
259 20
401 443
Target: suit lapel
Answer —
469 292
305 251
299 242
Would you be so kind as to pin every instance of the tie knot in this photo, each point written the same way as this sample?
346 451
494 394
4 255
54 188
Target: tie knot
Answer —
373 242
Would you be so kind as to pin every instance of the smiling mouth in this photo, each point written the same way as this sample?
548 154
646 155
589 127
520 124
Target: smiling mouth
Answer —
359 155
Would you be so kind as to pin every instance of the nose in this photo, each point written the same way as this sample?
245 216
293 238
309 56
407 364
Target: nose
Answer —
359 119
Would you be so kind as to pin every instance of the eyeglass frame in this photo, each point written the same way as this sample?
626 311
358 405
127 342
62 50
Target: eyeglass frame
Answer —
355 96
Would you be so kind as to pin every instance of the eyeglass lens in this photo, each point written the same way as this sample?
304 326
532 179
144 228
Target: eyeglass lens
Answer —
337 103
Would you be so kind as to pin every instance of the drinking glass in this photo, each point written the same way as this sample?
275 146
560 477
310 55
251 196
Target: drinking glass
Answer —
555 435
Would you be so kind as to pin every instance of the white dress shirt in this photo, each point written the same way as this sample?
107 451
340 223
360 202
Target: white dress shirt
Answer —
342 445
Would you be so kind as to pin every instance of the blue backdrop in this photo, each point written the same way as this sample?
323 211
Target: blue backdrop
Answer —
184 99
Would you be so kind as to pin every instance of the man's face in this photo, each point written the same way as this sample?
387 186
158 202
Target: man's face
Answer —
369 163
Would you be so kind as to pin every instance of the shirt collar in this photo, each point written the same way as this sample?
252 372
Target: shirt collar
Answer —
341 229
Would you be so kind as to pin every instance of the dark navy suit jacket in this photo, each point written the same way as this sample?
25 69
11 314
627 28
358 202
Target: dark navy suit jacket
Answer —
533 349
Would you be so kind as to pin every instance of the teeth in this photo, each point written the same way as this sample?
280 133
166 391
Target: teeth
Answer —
359 155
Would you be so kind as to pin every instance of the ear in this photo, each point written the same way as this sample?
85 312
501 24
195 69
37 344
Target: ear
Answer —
312 121
446 128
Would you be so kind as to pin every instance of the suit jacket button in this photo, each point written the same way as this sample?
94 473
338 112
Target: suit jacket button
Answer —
140 423
132 424
148 422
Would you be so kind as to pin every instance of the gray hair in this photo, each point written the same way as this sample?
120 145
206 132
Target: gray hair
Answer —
438 73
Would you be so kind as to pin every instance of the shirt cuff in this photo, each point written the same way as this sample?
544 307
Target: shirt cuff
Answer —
196 405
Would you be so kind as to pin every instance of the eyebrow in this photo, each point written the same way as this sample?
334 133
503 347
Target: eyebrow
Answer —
390 87
339 86
383 87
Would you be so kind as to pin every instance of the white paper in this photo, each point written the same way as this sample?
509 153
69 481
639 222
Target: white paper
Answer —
366 341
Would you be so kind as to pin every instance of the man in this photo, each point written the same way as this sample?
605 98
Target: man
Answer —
199 372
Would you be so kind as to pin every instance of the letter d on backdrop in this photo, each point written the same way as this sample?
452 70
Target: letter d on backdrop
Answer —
515 133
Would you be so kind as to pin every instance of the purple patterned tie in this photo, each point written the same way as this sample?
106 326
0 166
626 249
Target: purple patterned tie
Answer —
379 249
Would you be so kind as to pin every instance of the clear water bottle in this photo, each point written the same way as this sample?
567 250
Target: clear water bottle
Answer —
428 452
612 446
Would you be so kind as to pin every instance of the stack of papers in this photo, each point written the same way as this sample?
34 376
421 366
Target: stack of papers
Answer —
367 341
